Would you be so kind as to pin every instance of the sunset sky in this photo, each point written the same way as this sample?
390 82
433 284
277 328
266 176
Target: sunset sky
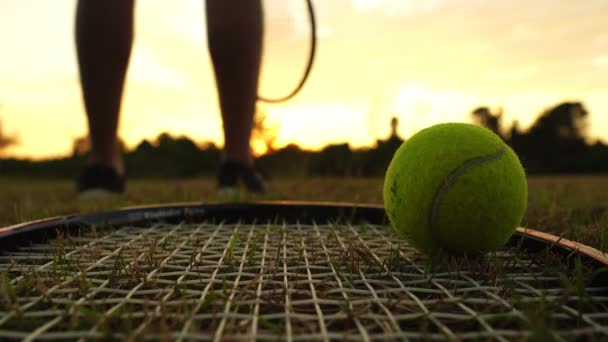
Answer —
424 61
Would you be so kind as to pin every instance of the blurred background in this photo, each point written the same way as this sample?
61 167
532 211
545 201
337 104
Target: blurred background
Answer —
534 72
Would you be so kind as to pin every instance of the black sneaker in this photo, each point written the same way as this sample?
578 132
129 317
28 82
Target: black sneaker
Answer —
232 173
97 181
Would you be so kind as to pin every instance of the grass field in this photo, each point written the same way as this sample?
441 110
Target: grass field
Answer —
575 207
163 275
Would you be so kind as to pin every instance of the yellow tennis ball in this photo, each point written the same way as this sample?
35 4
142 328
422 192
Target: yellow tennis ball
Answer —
455 187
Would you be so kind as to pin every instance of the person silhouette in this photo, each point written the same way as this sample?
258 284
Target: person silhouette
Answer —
104 39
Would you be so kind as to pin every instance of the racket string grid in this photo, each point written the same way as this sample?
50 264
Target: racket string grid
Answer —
295 282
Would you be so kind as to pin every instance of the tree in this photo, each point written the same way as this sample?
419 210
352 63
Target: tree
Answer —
81 146
264 132
6 141
394 126
566 121
375 161
556 140
333 160
483 116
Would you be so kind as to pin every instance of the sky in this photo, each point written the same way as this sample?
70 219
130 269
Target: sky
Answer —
425 62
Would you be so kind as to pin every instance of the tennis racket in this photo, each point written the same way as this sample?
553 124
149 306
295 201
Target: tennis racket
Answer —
285 271
310 61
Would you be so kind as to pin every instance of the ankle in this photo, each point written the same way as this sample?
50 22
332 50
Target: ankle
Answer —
246 160
114 162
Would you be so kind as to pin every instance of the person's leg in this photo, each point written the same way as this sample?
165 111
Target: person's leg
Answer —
104 36
235 29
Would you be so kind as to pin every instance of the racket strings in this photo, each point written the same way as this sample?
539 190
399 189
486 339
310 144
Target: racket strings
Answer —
323 281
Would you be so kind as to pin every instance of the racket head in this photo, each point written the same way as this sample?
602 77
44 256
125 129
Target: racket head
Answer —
364 268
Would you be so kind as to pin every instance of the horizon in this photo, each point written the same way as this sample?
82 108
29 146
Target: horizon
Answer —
424 63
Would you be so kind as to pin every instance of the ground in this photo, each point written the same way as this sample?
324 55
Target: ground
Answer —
197 280
574 207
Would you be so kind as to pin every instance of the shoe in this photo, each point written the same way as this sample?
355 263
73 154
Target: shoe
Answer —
97 181
232 173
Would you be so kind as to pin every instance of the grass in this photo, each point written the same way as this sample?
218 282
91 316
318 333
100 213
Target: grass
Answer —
575 207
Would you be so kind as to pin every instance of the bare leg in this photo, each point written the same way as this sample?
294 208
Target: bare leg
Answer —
104 36
235 29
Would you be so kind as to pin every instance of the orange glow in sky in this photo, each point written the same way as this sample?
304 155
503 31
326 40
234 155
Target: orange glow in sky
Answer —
424 61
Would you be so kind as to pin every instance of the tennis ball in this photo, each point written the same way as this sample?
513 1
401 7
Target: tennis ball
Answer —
455 187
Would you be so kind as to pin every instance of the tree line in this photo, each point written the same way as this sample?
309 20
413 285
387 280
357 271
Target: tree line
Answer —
557 142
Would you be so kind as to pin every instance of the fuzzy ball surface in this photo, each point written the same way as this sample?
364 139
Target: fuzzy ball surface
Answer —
455 187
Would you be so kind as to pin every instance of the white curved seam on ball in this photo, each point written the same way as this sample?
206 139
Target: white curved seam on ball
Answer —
453 176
